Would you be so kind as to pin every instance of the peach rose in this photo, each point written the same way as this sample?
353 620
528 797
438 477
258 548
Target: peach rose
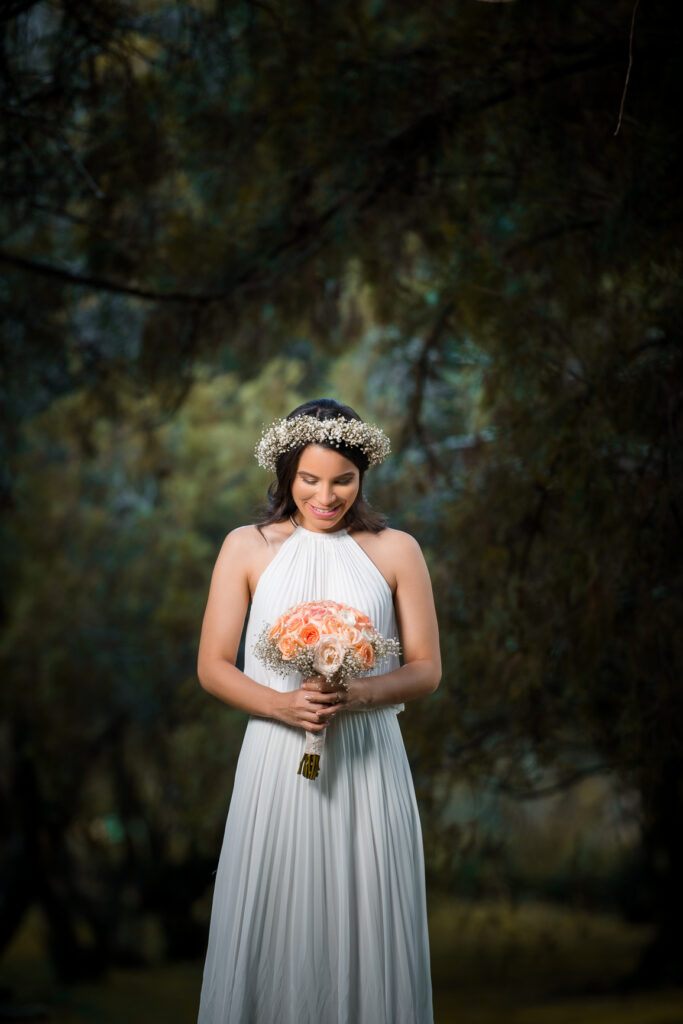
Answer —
275 628
332 625
328 656
309 634
347 616
349 635
288 647
365 655
317 610
293 623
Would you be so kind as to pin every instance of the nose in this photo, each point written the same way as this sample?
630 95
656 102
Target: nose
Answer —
326 495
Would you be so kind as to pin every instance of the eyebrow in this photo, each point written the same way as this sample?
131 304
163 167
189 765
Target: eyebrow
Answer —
304 472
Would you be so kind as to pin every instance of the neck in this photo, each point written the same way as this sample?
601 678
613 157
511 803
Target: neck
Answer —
322 533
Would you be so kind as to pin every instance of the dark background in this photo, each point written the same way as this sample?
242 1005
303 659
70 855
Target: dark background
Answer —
464 220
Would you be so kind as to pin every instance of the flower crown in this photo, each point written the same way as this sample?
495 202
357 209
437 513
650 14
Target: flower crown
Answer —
285 434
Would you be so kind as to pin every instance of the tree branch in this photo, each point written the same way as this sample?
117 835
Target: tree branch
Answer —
558 786
550 235
628 69
101 283
420 371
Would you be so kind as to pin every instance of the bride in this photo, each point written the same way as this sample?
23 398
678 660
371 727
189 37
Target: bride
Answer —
319 906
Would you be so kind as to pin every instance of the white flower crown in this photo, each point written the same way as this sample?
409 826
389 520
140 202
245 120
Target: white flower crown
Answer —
284 434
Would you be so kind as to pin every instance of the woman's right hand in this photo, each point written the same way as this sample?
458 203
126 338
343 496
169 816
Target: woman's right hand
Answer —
305 709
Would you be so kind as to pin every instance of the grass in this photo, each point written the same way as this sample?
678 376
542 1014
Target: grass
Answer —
532 948
491 963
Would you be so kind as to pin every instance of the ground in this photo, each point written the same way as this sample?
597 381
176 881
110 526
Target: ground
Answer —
491 962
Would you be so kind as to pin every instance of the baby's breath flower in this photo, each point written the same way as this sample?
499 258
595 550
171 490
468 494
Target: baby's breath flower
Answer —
285 434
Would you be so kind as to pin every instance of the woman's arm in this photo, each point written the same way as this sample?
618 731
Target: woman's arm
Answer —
226 609
419 632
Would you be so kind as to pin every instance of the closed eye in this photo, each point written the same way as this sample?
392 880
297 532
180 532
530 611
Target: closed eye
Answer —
339 480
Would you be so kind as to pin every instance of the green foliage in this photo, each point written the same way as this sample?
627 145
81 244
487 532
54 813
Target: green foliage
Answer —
116 527
427 210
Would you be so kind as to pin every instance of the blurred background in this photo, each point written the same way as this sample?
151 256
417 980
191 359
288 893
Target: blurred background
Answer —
463 219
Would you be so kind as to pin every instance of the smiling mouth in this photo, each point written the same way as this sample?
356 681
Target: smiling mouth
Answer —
324 511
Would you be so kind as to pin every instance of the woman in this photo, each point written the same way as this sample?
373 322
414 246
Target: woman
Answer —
319 910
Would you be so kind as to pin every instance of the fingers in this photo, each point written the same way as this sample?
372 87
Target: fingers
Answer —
330 697
319 723
327 715
315 711
321 717
311 717
307 711
328 712
322 714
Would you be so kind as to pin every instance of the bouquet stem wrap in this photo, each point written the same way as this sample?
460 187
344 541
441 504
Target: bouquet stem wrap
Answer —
332 641
309 766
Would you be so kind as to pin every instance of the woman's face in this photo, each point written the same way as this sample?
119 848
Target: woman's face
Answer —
324 488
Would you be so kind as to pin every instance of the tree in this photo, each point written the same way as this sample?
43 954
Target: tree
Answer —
110 750
222 169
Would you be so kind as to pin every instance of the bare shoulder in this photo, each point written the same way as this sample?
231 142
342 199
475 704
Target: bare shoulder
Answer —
252 538
391 551
401 542
249 549
239 542
395 543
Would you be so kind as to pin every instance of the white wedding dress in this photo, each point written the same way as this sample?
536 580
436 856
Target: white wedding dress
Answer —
319 910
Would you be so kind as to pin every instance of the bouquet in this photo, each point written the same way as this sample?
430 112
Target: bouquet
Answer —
328 639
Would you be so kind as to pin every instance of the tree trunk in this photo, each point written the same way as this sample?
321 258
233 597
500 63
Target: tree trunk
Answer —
47 871
662 837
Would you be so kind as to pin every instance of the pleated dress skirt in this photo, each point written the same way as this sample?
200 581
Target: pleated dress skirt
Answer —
319 909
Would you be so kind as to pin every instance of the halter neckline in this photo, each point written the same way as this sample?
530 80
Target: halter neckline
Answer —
343 532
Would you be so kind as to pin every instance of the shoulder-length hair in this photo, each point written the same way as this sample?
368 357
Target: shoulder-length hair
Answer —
280 504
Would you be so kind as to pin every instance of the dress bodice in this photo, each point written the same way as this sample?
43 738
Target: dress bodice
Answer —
313 567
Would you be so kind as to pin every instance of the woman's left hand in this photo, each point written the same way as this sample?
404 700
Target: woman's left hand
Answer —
352 698
319 684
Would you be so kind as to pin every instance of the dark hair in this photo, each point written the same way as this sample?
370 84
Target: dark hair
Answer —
280 504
